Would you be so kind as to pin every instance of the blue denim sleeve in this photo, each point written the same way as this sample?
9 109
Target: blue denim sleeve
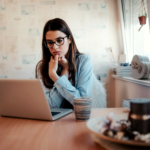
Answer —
84 81
53 97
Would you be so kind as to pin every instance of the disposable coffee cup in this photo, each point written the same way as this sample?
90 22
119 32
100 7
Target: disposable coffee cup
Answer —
82 108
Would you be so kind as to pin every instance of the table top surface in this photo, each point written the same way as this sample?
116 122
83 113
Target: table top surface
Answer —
65 133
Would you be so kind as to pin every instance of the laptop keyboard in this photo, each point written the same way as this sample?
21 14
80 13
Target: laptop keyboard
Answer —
55 113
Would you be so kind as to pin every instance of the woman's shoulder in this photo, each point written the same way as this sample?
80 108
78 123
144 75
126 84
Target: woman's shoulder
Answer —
83 57
83 60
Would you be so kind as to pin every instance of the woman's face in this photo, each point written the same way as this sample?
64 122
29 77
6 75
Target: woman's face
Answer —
57 37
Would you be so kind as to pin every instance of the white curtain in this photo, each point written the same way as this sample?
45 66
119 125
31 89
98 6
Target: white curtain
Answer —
125 19
136 42
148 9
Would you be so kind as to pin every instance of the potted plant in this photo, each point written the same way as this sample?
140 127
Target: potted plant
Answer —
142 15
142 18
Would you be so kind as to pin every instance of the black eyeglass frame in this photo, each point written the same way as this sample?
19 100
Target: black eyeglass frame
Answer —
55 42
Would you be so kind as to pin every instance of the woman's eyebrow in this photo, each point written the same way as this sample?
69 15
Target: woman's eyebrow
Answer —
55 39
59 37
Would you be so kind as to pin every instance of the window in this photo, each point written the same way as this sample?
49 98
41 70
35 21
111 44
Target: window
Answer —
141 39
136 42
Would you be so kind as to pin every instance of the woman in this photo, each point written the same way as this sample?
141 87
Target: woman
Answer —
65 72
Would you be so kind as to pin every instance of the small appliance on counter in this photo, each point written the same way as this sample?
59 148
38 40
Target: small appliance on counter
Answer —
140 67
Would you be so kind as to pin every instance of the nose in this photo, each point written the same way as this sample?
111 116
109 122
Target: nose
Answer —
55 46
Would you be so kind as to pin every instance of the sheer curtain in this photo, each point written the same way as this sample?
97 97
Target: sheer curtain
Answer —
148 6
137 42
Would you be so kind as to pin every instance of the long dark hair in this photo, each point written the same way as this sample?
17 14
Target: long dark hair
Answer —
42 66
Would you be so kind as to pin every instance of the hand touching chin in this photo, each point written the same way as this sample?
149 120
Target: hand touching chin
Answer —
63 62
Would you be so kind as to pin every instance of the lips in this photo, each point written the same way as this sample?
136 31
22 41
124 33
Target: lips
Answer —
56 53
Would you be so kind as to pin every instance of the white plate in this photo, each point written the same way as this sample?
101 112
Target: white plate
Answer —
93 128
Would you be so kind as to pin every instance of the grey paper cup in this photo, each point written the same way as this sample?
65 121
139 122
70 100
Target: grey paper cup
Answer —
82 108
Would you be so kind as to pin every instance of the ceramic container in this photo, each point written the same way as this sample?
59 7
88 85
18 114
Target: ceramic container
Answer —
139 115
82 108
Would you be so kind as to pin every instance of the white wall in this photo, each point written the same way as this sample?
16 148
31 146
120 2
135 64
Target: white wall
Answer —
94 23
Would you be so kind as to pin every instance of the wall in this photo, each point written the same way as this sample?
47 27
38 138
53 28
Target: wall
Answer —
94 23
128 90
115 38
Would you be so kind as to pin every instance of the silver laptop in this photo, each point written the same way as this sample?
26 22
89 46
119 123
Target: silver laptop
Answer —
25 98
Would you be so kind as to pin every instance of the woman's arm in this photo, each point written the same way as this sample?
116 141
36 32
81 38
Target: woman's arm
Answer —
53 97
64 64
53 66
63 89
84 81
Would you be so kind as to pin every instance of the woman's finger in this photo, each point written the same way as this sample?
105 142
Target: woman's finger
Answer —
56 58
51 60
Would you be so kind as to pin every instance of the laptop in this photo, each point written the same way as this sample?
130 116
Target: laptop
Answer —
25 98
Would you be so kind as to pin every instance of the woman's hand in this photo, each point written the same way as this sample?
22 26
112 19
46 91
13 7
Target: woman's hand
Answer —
63 62
53 66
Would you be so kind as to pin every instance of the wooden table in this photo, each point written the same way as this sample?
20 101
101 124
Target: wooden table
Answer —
63 134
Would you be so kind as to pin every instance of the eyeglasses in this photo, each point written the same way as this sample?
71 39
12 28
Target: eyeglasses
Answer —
59 42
